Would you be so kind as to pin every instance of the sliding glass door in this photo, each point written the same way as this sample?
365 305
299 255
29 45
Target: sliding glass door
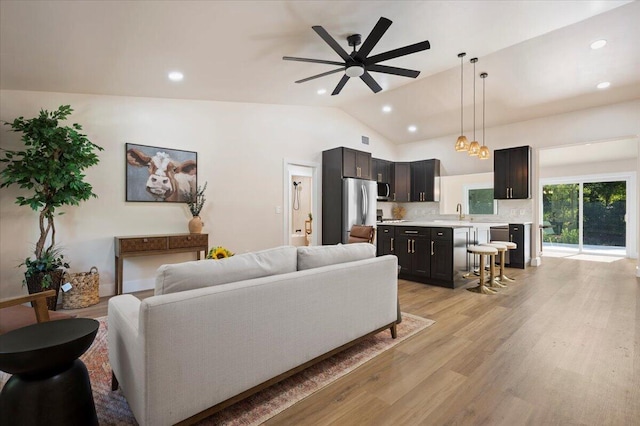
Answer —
585 216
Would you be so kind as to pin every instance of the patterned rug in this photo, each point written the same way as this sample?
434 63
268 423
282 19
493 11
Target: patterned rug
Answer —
113 409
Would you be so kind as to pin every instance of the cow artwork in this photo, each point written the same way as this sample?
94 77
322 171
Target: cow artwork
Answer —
159 174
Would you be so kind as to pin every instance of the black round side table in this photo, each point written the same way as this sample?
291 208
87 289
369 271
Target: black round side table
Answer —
50 385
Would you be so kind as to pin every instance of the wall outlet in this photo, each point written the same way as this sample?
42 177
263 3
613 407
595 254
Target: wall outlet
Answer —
278 209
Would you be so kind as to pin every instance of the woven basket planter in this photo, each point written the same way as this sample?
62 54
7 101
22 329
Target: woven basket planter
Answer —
84 289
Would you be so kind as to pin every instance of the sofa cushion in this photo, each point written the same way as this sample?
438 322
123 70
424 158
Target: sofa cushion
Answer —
317 256
205 273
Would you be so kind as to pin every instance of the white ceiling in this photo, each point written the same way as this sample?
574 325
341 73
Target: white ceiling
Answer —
536 53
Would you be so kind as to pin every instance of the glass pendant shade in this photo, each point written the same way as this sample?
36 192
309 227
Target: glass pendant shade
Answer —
462 144
483 154
474 148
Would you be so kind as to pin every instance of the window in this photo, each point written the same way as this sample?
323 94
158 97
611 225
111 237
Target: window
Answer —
479 199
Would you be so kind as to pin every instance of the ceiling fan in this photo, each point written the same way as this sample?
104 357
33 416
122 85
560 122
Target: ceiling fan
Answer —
358 63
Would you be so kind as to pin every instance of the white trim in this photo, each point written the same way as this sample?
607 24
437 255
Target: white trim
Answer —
289 167
631 222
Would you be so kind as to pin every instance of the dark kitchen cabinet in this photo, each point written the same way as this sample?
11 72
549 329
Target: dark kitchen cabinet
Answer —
442 254
385 239
356 164
400 182
512 173
521 235
425 182
413 251
381 170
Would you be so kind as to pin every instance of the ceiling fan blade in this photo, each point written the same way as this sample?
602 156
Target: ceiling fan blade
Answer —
393 70
331 42
402 51
320 75
315 61
340 85
372 39
366 77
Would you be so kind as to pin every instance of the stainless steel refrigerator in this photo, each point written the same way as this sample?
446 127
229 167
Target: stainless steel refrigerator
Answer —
358 204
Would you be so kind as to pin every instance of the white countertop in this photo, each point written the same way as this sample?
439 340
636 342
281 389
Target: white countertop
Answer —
446 224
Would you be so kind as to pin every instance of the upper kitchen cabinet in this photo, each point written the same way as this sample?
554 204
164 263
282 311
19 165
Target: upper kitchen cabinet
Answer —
425 180
512 173
356 164
400 182
381 170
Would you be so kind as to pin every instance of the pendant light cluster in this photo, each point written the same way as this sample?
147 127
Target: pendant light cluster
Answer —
462 143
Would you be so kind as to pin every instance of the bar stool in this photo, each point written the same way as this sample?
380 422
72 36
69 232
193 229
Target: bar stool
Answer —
510 246
497 281
482 251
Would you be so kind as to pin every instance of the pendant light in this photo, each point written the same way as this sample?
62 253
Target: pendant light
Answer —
483 154
462 144
474 146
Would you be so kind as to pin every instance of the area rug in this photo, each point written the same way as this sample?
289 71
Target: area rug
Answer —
112 407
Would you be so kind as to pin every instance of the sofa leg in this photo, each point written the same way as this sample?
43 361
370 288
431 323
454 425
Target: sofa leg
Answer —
394 331
114 382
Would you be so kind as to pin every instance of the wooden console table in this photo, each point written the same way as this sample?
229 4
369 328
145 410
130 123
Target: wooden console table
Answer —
149 245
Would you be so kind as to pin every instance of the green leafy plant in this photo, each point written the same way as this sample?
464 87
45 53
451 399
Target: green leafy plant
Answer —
50 170
195 200
50 260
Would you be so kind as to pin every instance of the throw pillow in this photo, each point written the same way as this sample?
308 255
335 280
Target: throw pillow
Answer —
209 272
317 256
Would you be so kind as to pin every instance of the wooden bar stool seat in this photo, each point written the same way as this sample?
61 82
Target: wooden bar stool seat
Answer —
496 282
482 251
510 246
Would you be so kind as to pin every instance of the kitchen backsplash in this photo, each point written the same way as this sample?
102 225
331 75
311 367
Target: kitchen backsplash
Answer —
511 211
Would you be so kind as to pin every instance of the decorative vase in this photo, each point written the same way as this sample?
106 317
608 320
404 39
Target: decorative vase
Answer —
34 285
195 225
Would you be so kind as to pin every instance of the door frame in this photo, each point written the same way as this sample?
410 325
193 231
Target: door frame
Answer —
288 165
631 216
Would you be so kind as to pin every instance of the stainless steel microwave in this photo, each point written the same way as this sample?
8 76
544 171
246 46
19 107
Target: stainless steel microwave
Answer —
384 192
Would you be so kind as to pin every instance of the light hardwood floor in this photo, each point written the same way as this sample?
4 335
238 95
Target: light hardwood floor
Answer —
560 346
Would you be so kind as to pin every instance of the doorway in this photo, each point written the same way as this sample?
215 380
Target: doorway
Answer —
587 215
301 188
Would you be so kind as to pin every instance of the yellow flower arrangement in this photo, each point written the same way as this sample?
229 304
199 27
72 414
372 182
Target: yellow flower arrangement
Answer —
219 253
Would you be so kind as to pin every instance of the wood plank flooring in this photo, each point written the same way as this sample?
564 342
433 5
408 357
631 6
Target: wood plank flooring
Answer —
560 346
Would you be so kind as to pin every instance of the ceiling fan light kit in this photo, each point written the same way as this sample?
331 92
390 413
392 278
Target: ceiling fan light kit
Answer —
359 63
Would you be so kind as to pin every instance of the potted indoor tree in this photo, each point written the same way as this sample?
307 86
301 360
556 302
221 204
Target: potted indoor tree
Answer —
49 171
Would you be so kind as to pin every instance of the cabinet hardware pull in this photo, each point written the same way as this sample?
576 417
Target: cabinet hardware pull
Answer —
507 192
394 196
440 234
432 252
146 240
410 232
408 196
379 177
358 171
413 246
391 244
511 237
408 246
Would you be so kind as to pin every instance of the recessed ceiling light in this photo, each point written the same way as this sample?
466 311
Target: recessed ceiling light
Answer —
598 44
603 85
386 108
176 76
321 91
412 128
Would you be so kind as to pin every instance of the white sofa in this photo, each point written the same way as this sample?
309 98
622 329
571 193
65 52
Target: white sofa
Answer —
219 329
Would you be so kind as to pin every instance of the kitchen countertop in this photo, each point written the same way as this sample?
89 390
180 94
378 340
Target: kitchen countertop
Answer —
446 224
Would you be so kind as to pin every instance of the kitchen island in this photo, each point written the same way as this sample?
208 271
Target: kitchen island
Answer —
433 252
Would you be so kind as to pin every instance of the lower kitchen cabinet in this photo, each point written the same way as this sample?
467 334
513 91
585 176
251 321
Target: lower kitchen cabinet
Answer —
521 235
425 254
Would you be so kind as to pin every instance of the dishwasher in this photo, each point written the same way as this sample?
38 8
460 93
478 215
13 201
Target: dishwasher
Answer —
501 233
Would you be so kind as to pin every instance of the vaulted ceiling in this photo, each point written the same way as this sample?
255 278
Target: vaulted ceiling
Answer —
536 53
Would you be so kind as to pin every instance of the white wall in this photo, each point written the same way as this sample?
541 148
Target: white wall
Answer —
240 148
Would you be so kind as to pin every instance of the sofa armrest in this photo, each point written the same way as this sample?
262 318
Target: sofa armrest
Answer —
126 348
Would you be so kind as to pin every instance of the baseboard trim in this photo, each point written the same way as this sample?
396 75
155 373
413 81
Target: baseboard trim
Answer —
536 261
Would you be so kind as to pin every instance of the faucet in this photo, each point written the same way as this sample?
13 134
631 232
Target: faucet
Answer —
459 210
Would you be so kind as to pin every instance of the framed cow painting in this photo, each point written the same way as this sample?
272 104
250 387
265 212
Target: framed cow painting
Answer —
160 174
